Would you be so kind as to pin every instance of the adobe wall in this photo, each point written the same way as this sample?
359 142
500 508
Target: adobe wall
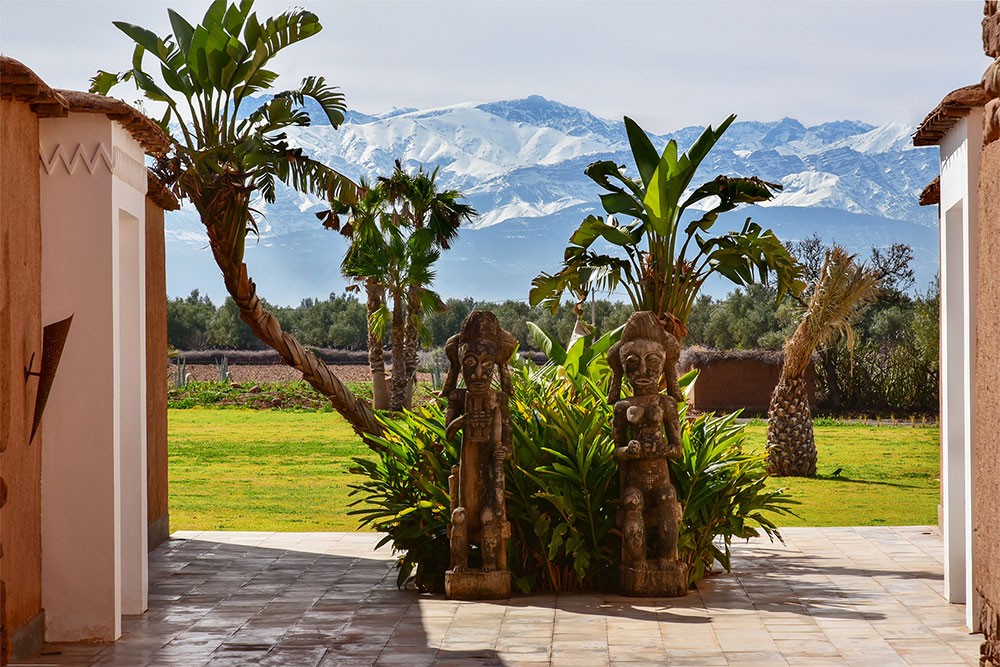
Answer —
156 377
726 385
986 537
20 336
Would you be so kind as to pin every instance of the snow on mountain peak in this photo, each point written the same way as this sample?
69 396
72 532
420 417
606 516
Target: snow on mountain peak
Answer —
521 164
523 159
893 136
538 111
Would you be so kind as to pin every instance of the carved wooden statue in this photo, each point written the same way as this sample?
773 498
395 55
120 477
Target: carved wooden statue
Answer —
476 485
647 433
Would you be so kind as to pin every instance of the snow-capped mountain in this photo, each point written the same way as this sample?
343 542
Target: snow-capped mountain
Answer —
521 162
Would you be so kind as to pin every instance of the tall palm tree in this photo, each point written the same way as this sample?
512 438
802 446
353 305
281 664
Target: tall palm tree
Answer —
400 260
228 148
363 263
842 289
438 214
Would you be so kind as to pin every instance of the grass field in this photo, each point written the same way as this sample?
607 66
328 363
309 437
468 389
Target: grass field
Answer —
888 477
233 469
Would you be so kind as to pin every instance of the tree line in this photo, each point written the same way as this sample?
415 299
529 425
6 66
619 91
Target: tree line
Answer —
194 322
892 366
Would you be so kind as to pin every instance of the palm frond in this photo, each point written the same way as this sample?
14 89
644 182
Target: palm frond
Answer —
844 287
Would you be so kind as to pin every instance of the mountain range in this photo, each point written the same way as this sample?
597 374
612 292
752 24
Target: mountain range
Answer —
521 163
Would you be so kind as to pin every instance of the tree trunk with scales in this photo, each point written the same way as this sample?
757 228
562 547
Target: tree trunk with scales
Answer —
397 399
791 447
411 344
841 290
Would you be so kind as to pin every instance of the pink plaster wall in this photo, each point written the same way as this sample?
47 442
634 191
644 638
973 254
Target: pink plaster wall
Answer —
80 534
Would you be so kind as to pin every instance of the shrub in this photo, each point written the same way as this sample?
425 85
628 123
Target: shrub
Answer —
406 493
721 485
562 484
563 488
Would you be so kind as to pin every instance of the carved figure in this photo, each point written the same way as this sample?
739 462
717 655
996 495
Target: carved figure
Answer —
647 433
478 507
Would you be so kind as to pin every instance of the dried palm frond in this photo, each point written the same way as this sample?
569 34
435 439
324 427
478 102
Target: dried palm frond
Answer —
844 287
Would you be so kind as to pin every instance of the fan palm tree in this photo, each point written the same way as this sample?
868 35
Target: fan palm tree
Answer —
841 290
438 214
228 148
363 263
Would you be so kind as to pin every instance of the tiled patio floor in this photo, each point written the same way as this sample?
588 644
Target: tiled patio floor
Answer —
830 596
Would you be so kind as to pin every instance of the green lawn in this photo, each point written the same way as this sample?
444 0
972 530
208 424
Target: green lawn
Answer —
889 477
233 469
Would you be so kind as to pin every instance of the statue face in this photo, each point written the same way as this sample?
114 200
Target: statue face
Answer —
477 367
643 363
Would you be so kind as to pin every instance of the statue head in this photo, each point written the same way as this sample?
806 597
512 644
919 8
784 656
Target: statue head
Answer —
476 350
642 355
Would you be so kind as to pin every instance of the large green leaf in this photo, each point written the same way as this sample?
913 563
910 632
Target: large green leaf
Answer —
593 228
643 152
182 30
145 38
546 343
602 171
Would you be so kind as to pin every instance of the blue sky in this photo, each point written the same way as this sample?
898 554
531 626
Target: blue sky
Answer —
666 63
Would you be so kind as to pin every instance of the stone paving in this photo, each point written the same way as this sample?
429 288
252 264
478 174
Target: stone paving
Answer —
828 596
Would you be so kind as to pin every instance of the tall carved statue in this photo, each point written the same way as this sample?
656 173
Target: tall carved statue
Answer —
476 485
647 433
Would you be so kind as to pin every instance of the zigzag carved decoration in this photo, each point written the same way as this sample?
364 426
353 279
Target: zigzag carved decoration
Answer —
70 164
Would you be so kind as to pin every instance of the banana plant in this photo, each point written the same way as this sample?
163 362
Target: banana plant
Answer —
229 149
582 356
658 257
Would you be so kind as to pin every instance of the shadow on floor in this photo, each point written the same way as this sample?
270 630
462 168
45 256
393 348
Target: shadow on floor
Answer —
220 604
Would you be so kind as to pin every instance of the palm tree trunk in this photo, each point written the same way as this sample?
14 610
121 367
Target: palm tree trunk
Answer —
222 208
398 398
265 326
791 448
376 351
411 344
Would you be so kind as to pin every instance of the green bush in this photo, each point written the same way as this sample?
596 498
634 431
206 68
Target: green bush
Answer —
406 494
562 484
563 488
721 484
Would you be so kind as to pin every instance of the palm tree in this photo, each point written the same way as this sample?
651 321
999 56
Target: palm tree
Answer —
224 154
364 264
400 261
841 290
438 214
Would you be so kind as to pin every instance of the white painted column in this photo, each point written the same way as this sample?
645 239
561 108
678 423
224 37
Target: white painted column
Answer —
970 264
130 409
960 156
94 561
953 401
129 194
